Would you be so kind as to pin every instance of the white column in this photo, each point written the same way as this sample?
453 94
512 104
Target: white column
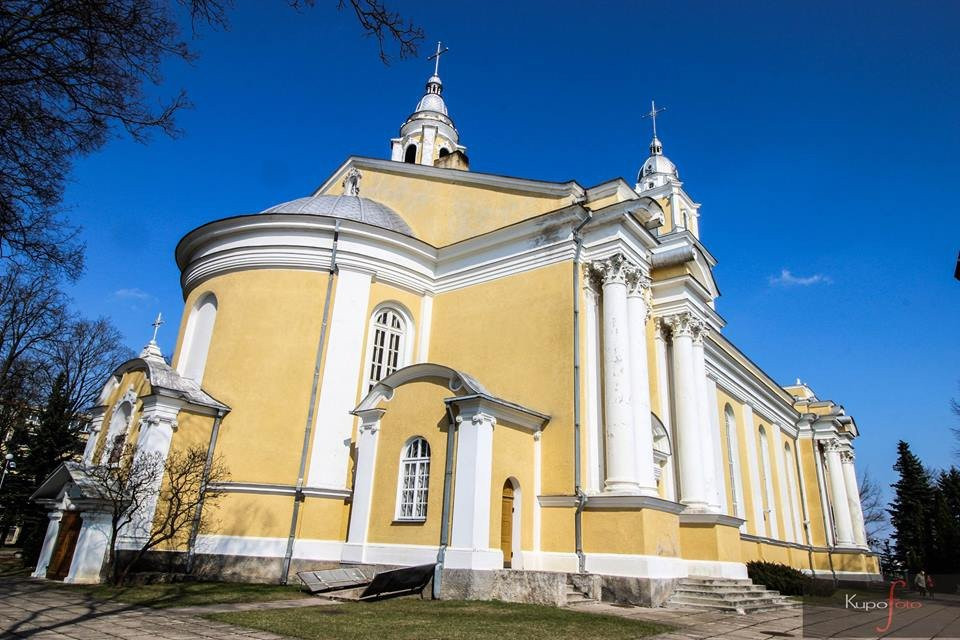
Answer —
537 487
838 495
663 376
427 145
621 448
786 496
591 351
470 536
640 382
157 424
753 463
91 549
332 423
96 423
704 423
853 498
692 486
367 439
426 320
49 542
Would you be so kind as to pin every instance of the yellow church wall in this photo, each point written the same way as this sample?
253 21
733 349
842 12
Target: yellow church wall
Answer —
442 212
710 542
417 409
193 433
631 532
557 529
814 505
512 458
137 380
323 519
250 514
744 469
514 336
260 363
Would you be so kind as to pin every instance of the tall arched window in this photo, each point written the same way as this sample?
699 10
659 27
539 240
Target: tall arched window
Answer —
733 461
414 482
388 344
410 155
196 338
116 437
788 463
766 485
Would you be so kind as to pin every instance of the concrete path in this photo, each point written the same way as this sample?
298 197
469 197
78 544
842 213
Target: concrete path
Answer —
33 609
697 625
923 619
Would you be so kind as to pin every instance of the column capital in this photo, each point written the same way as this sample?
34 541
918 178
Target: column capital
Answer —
615 269
370 419
683 324
638 284
847 456
831 445
700 331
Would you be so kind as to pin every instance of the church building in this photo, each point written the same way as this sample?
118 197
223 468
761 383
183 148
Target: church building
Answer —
420 363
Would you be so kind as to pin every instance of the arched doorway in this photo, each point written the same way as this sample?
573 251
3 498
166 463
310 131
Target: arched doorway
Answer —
510 523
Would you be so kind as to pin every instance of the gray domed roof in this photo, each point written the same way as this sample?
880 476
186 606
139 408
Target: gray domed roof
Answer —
348 208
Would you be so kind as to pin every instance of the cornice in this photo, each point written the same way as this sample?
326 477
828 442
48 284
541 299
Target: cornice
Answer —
455 176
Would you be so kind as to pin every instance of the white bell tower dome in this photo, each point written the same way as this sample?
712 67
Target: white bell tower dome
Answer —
429 136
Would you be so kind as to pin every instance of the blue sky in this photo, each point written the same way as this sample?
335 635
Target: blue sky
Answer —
820 138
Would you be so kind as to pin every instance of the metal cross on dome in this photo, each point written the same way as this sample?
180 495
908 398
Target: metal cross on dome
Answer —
653 115
156 326
436 58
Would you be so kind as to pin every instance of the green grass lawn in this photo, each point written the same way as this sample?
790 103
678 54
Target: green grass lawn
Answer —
188 594
415 619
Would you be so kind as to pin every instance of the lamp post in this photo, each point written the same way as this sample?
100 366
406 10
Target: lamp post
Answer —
8 464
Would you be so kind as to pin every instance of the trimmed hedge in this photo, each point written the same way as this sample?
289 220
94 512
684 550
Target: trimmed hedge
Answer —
787 580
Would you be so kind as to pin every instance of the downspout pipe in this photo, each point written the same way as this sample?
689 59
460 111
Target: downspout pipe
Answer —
804 509
445 511
577 482
311 409
198 513
821 482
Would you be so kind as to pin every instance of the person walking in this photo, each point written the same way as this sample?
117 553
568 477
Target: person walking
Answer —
930 585
920 582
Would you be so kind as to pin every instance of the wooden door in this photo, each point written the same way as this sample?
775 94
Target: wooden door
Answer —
66 543
506 524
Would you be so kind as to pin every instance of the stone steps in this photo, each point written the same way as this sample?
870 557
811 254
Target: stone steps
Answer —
575 596
733 596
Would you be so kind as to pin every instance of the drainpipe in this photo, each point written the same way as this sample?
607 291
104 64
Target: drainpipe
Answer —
803 507
821 482
445 511
308 430
578 490
198 513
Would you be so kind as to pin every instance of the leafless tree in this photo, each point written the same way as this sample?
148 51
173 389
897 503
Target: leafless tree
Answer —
177 488
72 71
86 354
873 506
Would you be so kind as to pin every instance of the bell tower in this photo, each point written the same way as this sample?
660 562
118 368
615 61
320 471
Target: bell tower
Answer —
429 136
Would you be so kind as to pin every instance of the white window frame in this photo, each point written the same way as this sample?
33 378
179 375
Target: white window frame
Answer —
770 512
733 460
404 348
195 349
418 465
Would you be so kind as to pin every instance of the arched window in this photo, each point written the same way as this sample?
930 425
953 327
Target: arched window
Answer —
410 155
733 461
766 485
116 437
414 482
388 344
196 339
788 463
444 152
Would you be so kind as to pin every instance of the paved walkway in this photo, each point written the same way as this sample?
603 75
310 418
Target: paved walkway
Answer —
32 609
698 625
